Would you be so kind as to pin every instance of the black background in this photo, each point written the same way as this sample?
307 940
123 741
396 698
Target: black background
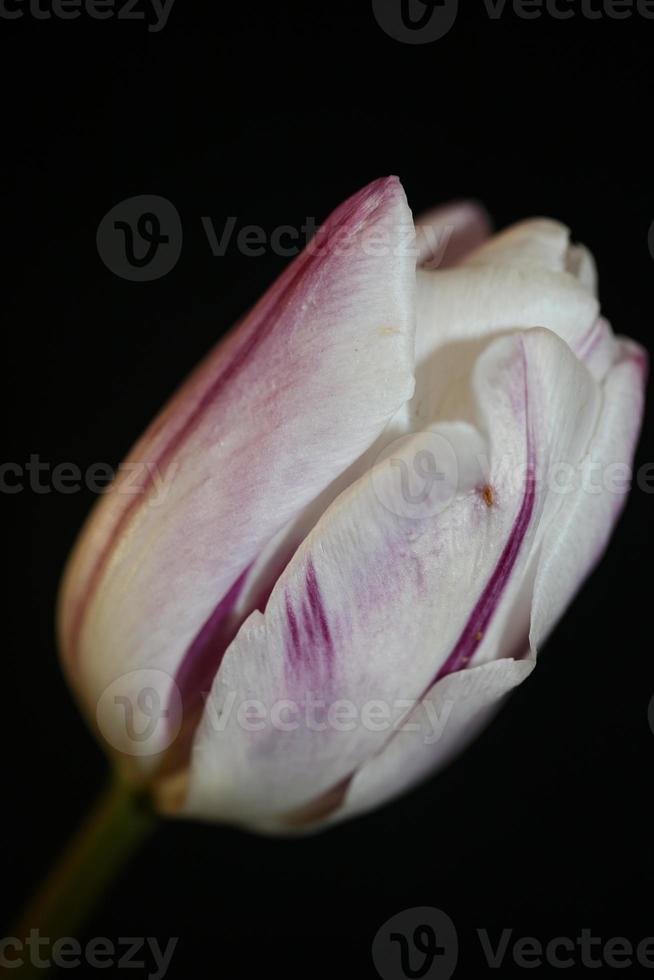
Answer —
274 113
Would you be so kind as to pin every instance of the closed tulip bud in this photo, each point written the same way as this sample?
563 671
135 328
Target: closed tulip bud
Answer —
344 540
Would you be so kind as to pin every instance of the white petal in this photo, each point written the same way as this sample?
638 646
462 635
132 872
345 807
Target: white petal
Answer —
575 527
381 598
538 244
302 387
597 348
596 495
581 264
461 310
448 718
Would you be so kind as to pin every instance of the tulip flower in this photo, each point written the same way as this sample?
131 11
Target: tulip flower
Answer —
345 539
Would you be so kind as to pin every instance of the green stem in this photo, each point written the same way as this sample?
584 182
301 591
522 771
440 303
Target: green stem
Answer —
112 832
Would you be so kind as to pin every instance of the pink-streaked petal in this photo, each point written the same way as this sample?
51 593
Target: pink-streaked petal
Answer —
302 387
575 533
597 348
380 600
445 235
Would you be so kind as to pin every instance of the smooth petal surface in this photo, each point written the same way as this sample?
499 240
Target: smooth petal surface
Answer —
444 236
518 279
538 243
447 719
458 315
285 404
394 588
582 507
594 495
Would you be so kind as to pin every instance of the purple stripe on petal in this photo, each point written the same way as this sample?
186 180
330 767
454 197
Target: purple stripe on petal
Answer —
316 605
475 627
585 344
266 315
310 641
599 334
489 600
233 365
307 622
293 628
205 654
202 659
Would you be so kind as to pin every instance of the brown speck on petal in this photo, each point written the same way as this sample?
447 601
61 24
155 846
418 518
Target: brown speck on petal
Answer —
488 495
